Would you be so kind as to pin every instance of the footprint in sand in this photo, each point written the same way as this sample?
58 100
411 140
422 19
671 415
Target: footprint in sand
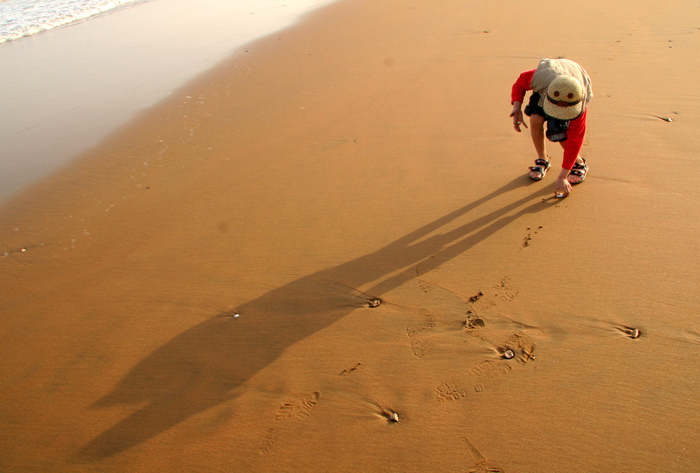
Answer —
515 350
473 322
520 346
298 410
421 348
504 290
489 374
424 286
528 238
450 392
424 268
426 323
480 301
268 443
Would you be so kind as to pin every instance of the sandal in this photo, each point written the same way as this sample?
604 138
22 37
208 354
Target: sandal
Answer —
580 170
541 166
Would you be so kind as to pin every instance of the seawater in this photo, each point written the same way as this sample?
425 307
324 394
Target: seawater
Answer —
20 18
65 89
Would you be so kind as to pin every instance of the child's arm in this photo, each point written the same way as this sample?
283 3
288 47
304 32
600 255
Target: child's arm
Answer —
521 86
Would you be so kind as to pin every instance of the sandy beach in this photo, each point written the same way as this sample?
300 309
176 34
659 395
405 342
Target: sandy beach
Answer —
314 257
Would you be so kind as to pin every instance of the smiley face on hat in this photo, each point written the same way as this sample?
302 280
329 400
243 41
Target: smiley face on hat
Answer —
564 98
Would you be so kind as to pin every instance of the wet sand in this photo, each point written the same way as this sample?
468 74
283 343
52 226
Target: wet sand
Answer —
67 89
336 231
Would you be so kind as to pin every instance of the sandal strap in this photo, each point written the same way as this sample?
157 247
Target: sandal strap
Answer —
541 166
580 166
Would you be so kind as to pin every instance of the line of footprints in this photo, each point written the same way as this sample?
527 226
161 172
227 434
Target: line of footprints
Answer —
516 350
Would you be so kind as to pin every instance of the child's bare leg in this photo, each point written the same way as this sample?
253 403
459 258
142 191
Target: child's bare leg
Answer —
537 134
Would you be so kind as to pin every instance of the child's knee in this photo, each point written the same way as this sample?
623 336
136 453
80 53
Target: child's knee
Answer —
536 120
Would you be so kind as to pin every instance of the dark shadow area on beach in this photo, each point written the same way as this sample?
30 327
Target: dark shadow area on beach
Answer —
201 367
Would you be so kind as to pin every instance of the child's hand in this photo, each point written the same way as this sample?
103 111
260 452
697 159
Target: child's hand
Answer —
518 119
563 188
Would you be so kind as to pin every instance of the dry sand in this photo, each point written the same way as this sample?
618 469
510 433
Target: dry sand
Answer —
195 294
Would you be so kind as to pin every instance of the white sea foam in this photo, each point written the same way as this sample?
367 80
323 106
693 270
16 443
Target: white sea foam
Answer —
20 18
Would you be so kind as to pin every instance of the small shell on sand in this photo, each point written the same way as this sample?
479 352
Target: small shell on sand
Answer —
374 303
508 354
634 333
394 417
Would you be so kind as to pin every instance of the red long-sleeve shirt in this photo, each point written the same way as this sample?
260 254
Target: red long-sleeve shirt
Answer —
577 127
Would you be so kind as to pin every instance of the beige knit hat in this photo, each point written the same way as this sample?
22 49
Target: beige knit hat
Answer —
564 98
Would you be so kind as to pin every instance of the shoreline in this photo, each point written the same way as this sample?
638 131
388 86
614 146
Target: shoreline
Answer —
200 290
96 76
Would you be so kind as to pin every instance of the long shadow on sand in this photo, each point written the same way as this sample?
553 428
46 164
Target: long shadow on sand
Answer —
203 366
